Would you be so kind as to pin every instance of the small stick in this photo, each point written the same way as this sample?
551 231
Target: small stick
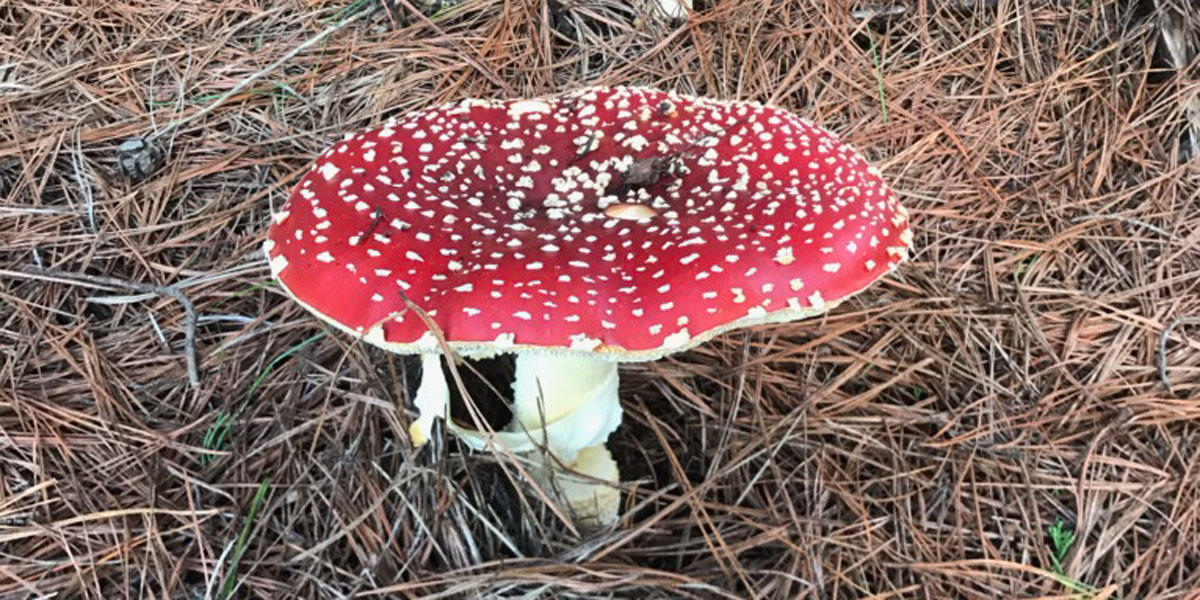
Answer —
1126 220
894 10
585 148
189 321
1162 348
872 12
376 215
447 351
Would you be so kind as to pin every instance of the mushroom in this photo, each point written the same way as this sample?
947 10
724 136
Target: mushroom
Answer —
579 231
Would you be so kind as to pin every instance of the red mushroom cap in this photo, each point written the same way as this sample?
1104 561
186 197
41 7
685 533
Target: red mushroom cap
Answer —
624 223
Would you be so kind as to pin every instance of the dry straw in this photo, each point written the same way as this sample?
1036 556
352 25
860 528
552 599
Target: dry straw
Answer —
922 441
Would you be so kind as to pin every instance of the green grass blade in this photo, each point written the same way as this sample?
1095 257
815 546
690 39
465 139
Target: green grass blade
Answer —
240 546
878 75
217 434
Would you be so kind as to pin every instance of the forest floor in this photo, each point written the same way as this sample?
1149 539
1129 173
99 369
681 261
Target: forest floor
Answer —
1013 413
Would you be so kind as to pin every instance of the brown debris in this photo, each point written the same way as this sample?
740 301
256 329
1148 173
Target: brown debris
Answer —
916 442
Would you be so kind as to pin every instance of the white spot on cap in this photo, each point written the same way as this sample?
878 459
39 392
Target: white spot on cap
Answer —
677 339
278 264
329 171
325 257
521 107
784 256
831 267
636 142
580 341
374 335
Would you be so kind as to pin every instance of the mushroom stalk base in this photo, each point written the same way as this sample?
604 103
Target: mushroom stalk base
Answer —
564 408
588 490
550 391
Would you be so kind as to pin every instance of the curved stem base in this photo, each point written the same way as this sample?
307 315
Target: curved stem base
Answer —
564 409
588 491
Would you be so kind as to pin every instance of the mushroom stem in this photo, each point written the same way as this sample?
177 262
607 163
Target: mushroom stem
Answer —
569 405
431 400
550 389
588 489
564 408
560 403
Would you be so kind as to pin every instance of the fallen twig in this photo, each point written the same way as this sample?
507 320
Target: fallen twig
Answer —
103 281
1162 348
1126 220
